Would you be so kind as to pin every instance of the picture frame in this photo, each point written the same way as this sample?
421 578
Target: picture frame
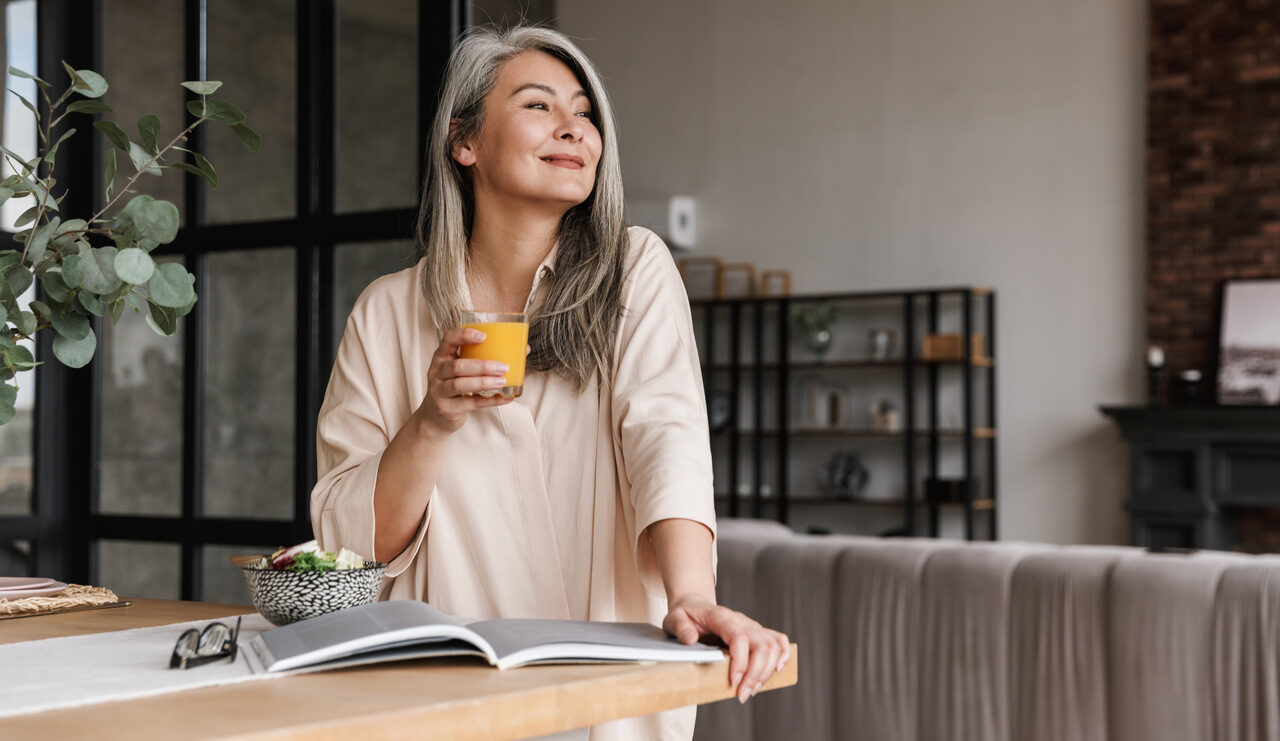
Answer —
1249 343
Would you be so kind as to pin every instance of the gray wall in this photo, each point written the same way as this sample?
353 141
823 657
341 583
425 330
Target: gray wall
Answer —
902 143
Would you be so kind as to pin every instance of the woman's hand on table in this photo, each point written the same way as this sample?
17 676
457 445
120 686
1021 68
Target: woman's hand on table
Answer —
755 652
450 378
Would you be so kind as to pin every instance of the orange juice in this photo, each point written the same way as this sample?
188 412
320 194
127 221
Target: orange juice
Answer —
504 341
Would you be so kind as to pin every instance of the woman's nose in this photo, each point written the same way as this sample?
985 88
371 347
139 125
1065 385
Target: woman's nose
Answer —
570 129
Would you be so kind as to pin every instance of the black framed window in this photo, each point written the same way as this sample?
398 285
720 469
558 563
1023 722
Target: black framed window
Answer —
202 444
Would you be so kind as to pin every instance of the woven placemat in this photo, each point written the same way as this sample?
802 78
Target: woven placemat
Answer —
75 595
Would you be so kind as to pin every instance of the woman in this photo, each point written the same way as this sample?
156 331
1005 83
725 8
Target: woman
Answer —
590 496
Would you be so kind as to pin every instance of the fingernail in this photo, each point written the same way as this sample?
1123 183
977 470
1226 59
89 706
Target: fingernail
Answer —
477 335
742 696
781 664
737 677
496 368
756 689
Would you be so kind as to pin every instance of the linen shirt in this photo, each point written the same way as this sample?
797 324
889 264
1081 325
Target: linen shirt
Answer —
540 507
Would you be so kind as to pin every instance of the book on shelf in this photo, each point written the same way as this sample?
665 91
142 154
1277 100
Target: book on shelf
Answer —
408 629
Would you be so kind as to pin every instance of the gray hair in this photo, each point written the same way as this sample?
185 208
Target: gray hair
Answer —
574 329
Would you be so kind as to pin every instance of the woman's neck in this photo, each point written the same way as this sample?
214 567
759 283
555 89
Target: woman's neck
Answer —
506 247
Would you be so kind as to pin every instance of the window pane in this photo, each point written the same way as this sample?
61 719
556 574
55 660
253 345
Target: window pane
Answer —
15 558
249 384
133 569
252 49
222 580
141 422
19 34
144 83
356 265
377 104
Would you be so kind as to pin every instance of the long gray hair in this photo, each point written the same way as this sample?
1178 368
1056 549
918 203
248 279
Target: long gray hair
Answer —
573 331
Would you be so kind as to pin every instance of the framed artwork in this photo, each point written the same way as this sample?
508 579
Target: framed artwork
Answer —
1249 343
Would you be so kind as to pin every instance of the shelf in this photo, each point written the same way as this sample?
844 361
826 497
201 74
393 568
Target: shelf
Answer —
983 433
978 504
747 366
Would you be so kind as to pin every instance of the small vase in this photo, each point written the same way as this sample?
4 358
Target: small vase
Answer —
820 342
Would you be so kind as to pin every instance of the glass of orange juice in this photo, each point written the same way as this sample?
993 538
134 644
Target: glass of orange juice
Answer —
505 337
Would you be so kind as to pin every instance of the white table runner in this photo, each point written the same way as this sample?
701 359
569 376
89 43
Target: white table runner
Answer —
52 673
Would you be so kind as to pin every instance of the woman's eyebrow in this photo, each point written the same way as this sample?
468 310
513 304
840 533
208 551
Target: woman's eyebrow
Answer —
544 88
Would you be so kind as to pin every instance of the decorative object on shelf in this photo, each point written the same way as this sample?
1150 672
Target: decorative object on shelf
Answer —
1189 387
835 408
736 280
719 410
817 413
701 275
844 476
1249 343
943 490
817 319
771 277
1155 374
884 416
948 346
882 343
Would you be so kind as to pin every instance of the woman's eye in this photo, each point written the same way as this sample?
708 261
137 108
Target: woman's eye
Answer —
584 114
539 106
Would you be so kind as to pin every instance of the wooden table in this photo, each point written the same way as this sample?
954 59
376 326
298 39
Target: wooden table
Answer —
441 699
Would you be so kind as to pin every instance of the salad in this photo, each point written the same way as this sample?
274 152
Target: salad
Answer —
308 557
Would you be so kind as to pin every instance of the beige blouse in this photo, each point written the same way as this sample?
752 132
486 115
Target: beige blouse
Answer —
541 505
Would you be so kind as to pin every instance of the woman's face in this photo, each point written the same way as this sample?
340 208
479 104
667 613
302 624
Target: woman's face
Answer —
537 143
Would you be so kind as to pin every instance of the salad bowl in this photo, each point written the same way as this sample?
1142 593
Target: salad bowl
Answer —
285 595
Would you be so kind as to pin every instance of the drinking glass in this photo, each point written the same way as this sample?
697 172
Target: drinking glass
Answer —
506 336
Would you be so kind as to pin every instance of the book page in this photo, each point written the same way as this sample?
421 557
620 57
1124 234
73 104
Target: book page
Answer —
517 641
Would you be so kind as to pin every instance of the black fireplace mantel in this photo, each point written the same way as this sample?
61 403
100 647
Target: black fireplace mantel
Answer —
1192 466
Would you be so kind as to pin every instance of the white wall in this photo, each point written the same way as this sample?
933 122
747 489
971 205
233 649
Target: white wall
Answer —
903 143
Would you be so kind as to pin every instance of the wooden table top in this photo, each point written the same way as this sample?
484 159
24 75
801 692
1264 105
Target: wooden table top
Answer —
436 698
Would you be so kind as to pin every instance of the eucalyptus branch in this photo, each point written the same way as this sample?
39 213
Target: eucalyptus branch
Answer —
182 135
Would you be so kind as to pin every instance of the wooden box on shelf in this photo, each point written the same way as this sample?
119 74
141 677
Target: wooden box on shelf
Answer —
947 346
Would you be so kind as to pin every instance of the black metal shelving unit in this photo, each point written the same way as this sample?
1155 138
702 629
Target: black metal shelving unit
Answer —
922 437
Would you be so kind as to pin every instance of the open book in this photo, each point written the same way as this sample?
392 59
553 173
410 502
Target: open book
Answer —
407 629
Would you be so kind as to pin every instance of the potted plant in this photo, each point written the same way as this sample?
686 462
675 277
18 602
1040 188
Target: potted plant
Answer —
99 264
817 319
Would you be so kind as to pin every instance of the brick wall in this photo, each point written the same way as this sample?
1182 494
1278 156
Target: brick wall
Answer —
1213 165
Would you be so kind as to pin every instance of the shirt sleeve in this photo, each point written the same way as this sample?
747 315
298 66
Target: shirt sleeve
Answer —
351 434
659 410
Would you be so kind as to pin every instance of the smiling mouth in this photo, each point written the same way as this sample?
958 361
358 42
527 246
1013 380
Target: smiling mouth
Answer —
568 161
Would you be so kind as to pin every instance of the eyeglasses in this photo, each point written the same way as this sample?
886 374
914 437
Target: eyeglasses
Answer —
196 647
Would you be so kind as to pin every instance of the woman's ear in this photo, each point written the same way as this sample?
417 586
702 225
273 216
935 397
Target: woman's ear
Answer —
460 148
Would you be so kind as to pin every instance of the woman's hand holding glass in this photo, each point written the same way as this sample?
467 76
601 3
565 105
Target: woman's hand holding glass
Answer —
454 384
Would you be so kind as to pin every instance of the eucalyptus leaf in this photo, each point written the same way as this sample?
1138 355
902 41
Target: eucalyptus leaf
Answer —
88 106
134 266
149 130
26 323
41 310
141 158
216 109
75 353
34 111
23 164
53 285
185 167
8 259
88 83
24 74
27 217
162 320
206 168
202 87
149 219
8 395
5 194
20 357
136 301
90 303
114 133
96 272
110 175
71 325
71 270
187 307
4 318
170 286
53 151
248 137
40 190
117 310
70 231
19 279
40 240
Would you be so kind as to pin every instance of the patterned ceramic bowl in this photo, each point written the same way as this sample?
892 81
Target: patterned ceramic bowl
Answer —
289 596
